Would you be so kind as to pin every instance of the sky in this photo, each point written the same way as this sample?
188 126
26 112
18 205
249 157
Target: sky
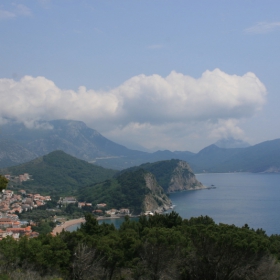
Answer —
149 74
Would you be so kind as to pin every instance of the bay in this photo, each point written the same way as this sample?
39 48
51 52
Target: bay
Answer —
238 198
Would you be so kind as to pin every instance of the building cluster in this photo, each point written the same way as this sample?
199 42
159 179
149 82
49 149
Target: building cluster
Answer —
99 211
18 179
12 204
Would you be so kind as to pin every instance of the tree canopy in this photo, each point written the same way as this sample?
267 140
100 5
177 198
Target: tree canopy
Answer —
158 247
3 182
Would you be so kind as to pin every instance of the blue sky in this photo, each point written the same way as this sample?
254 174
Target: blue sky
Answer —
175 75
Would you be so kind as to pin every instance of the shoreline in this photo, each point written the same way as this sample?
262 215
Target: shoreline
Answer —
58 229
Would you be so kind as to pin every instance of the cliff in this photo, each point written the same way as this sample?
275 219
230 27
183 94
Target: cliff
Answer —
156 200
172 175
183 178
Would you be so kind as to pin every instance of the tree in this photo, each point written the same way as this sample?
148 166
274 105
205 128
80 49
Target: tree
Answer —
86 263
222 251
3 182
160 253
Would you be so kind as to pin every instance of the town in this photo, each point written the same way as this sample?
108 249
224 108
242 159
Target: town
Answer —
15 202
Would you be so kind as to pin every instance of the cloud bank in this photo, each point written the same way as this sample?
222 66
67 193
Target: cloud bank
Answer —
153 111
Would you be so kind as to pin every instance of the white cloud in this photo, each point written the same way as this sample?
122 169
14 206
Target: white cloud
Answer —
17 10
6 14
151 110
263 27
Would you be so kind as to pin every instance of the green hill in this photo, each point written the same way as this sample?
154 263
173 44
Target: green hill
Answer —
59 173
172 175
137 190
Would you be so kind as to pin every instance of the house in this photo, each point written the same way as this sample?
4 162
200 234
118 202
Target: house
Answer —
100 205
20 231
124 211
6 223
8 193
98 211
112 212
68 200
83 204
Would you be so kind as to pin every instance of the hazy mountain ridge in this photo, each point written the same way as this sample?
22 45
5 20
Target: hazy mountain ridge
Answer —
230 142
19 144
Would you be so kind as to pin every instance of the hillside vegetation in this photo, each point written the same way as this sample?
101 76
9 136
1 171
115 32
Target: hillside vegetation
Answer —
128 190
172 175
59 173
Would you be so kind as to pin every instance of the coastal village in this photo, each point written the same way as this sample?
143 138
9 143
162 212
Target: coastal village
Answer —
13 203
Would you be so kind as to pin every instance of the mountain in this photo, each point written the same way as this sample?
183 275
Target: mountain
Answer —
137 190
72 137
19 144
230 142
173 175
12 153
263 157
59 173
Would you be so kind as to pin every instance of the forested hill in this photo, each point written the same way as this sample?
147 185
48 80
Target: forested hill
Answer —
59 173
172 175
137 190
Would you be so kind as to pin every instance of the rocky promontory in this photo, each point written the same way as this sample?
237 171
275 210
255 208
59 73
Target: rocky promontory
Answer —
183 178
156 200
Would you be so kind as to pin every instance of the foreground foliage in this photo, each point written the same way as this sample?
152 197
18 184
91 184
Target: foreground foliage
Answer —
158 247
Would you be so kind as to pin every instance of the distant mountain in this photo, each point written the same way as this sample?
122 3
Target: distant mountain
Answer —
59 173
230 142
64 135
19 144
263 157
12 153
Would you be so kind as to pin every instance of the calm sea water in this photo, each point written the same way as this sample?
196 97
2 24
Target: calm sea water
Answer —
238 198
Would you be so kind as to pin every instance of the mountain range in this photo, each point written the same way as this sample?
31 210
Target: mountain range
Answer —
19 144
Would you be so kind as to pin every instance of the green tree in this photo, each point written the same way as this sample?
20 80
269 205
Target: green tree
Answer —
222 251
160 251
3 182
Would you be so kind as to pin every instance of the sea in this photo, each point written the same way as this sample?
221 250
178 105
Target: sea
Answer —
234 198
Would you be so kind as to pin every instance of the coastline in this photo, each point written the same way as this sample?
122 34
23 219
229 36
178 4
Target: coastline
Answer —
67 224
58 229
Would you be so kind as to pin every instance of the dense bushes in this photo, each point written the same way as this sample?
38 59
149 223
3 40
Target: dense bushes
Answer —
158 247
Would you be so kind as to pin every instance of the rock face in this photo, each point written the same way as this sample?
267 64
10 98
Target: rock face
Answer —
173 175
156 200
183 179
